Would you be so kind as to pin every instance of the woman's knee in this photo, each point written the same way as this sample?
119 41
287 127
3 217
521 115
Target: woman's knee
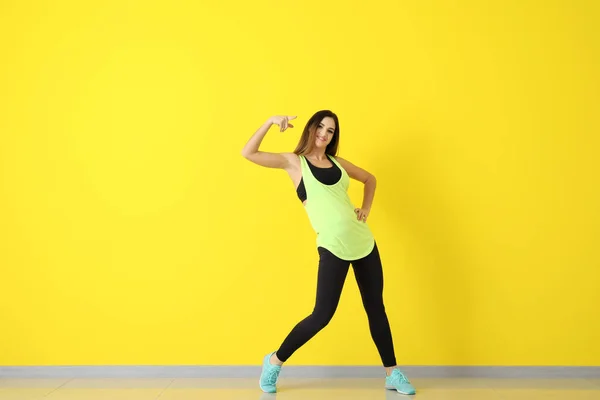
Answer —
374 307
321 318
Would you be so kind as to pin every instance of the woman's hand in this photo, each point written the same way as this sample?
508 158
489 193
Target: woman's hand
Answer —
361 214
282 121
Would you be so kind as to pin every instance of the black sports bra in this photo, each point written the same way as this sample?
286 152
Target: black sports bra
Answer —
327 176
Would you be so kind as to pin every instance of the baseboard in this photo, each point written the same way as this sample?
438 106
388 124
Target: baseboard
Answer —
540 372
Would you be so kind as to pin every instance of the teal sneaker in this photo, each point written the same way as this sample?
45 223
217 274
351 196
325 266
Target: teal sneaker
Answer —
398 381
269 375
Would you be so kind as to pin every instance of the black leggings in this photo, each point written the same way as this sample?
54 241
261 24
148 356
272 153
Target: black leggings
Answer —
332 274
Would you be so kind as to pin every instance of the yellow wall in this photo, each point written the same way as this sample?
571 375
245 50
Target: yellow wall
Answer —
133 232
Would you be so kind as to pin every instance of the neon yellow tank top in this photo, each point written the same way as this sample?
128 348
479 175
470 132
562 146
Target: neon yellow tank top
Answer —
331 214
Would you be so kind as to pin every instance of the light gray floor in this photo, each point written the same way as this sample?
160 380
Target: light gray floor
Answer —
296 389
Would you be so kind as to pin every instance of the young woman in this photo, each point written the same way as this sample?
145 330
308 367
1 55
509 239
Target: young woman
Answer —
321 180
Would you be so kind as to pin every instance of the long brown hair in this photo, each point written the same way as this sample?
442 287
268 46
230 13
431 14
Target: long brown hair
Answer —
307 140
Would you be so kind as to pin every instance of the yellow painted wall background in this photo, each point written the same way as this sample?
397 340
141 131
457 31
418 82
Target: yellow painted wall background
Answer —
133 232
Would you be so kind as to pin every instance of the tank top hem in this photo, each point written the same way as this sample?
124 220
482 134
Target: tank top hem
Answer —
345 256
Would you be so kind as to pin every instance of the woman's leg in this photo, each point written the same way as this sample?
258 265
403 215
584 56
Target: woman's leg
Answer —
330 282
369 277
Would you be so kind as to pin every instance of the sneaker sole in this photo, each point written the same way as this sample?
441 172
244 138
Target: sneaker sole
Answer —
393 388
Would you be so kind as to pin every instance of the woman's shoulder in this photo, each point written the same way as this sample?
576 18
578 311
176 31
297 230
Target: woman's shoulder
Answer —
293 158
339 159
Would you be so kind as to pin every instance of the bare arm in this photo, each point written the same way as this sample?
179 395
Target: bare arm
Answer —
363 176
270 160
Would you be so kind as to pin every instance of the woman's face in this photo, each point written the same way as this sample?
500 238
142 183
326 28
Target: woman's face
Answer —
325 131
